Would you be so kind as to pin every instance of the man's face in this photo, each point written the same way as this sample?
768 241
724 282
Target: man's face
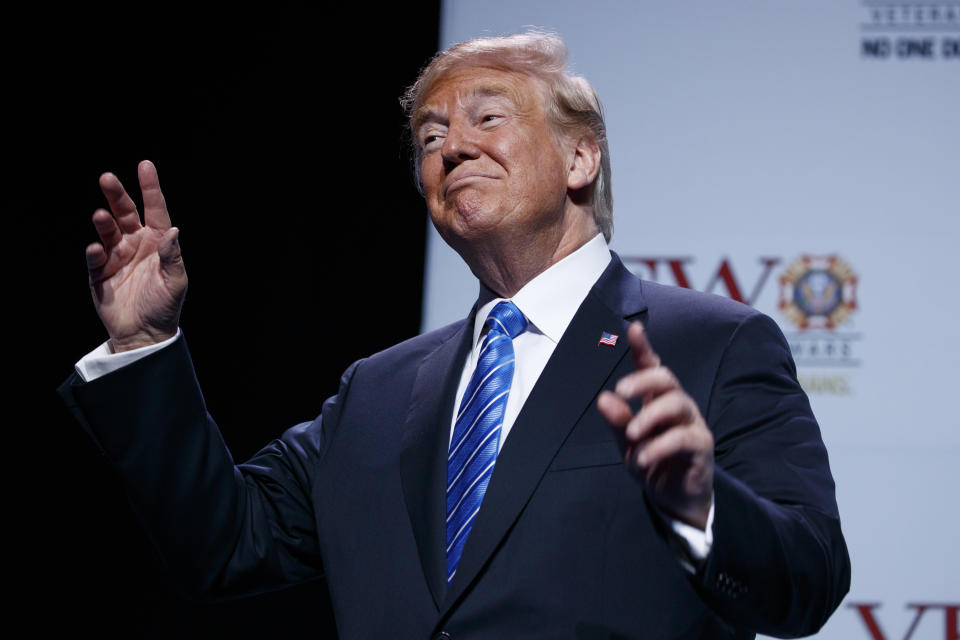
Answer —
492 166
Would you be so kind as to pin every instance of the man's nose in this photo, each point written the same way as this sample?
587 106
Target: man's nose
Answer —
460 144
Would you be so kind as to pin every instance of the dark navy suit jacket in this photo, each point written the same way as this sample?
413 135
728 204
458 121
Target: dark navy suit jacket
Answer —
565 544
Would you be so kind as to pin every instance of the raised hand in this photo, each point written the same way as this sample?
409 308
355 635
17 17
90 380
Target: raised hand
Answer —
137 277
667 443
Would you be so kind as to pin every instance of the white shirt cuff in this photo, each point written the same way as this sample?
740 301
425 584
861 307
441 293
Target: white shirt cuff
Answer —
698 542
102 361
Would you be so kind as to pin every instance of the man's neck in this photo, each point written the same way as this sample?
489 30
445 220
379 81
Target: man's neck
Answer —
550 300
509 267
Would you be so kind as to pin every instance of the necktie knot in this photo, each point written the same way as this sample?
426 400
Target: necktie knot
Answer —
507 318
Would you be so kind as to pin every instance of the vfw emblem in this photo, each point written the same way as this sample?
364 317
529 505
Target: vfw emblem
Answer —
818 292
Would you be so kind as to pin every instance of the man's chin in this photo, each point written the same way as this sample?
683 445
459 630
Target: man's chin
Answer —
471 233
468 214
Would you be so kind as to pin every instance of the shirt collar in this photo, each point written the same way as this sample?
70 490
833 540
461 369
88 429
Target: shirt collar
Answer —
551 299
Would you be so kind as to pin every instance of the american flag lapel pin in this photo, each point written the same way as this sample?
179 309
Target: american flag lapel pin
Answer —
609 339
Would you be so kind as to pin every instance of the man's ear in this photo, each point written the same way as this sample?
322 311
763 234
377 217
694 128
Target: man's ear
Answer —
584 163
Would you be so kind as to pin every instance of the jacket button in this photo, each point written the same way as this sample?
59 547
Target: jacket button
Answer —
729 586
443 635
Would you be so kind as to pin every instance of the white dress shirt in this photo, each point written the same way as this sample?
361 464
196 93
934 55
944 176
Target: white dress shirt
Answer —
549 302
548 315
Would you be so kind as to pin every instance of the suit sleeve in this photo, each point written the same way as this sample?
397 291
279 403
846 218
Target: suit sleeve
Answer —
222 529
779 564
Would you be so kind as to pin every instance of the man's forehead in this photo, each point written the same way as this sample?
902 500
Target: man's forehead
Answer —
462 85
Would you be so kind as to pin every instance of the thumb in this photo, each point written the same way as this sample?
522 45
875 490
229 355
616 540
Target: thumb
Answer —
171 262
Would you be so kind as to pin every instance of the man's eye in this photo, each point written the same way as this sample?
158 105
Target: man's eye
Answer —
429 140
491 117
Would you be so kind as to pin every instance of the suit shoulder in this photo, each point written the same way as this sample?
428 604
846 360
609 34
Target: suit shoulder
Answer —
681 305
688 321
391 368
417 347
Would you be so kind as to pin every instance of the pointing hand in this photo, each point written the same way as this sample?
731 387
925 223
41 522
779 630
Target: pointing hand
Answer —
667 443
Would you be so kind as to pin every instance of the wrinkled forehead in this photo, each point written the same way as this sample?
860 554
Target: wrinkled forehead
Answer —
462 86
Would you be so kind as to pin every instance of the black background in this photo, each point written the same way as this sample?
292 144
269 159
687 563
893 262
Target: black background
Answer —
278 139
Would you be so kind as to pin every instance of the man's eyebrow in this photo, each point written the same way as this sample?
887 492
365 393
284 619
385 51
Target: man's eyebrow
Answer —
426 113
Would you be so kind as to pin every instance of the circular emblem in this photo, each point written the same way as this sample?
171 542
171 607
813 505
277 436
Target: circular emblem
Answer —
818 292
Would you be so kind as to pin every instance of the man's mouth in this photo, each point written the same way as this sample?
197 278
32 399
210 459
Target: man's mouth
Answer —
464 179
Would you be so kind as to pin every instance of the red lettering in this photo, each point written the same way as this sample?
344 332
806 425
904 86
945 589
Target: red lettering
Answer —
768 265
652 265
913 625
676 266
951 628
725 273
866 614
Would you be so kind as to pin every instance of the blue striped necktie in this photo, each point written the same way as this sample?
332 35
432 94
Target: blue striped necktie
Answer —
476 432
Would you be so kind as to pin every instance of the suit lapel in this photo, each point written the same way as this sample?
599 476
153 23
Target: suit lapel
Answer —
423 466
567 388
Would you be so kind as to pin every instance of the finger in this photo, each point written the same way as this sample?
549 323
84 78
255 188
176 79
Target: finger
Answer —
661 414
687 443
643 354
123 208
106 228
646 383
96 260
154 206
612 407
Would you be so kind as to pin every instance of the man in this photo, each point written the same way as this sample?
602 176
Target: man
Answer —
493 478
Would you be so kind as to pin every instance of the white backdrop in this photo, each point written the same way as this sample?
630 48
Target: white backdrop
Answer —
746 136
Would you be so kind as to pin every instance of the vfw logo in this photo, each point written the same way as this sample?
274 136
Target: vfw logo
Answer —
818 292
924 616
816 300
